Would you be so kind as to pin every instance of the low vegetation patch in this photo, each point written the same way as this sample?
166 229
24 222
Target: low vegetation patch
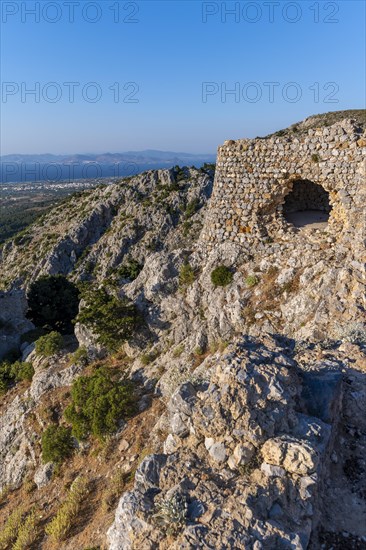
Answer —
10 530
22 371
114 320
5 376
172 514
178 351
99 404
130 270
28 532
14 372
57 444
20 530
60 526
249 467
221 276
147 358
251 281
218 345
208 166
192 208
114 490
80 356
50 344
179 174
187 275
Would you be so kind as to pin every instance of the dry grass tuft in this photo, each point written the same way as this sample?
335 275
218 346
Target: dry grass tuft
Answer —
60 526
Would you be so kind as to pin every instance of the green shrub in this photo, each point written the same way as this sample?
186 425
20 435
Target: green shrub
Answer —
192 208
178 351
57 444
251 280
114 490
22 371
187 226
218 345
315 158
149 357
130 270
173 187
89 267
179 174
146 359
153 246
83 255
208 166
186 275
80 356
6 377
99 404
53 303
112 319
50 344
221 276
14 372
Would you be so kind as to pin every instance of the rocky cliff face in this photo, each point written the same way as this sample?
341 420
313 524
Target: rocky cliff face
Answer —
250 395
19 441
89 235
13 321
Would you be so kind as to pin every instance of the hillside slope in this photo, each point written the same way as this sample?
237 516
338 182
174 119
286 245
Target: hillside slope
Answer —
246 372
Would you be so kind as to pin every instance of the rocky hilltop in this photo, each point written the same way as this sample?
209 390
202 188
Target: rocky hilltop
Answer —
239 388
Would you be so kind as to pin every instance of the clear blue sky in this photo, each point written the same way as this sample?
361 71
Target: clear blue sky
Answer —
172 49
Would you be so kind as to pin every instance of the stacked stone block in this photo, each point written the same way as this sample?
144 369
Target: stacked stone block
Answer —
254 176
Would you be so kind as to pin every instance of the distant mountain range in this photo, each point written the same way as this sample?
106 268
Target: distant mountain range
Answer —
17 167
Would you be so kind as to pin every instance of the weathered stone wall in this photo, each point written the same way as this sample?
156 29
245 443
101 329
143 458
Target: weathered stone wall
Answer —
254 176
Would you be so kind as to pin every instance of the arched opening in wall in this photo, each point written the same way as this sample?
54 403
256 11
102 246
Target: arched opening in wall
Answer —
307 204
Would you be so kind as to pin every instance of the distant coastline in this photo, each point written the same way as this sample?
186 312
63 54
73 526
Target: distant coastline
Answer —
53 168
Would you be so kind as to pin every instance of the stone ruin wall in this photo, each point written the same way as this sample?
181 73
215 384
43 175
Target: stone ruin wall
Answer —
254 176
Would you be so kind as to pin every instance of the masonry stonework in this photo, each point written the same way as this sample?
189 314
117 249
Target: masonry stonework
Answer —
254 178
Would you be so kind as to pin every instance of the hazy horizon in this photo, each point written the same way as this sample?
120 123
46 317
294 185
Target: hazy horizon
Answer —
149 149
100 153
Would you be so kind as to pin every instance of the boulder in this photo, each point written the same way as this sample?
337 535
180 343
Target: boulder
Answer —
295 456
43 474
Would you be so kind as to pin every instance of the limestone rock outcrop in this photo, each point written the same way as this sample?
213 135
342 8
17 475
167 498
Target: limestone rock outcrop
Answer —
13 321
243 463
